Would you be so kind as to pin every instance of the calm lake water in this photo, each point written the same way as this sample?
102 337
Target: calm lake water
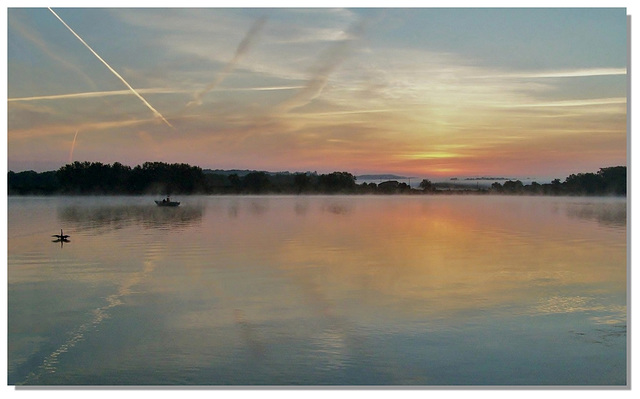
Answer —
318 290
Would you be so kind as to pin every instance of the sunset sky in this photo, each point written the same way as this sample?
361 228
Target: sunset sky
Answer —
424 92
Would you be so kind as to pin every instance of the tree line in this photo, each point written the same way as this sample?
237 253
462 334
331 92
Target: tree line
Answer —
607 181
161 178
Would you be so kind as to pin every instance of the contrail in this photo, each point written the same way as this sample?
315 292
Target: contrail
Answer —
242 49
73 145
94 94
326 64
156 113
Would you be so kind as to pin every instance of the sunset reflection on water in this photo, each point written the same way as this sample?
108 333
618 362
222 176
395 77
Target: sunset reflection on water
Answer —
319 290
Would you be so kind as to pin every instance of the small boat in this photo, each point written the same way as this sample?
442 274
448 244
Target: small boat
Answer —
167 202
61 236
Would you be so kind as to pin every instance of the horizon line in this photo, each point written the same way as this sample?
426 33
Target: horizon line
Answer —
370 175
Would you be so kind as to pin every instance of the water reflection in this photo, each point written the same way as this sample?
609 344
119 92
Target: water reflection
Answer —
337 206
301 206
321 290
115 217
90 324
608 335
233 209
259 207
61 241
249 333
607 213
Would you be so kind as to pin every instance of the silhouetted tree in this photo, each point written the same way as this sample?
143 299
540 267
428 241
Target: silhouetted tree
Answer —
78 177
215 182
234 180
31 182
256 182
426 185
555 188
388 187
584 183
368 188
118 177
534 188
614 179
95 177
337 182
159 177
512 186
301 182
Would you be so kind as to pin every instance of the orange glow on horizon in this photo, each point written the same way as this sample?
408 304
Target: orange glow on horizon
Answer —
412 110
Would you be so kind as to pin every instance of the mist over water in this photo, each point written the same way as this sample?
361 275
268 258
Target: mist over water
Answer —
318 290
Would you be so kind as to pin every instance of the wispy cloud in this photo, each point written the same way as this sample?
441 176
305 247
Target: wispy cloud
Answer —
569 73
44 47
351 112
569 103
61 129
327 62
308 88
242 49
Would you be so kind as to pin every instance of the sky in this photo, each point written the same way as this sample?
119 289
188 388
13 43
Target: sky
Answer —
427 92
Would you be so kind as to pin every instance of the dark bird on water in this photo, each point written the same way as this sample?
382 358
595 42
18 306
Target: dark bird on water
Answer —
61 236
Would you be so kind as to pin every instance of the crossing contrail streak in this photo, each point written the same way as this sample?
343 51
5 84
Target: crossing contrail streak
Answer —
73 145
333 56
242 49
94 94
156 113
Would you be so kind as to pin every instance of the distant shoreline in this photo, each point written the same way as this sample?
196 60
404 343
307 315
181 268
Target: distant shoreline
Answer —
158 178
